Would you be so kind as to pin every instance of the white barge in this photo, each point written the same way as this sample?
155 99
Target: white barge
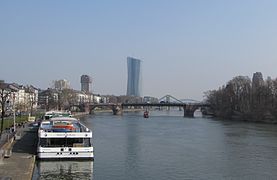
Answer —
64 138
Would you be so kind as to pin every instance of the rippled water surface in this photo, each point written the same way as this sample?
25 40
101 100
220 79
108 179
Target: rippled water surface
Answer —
169 146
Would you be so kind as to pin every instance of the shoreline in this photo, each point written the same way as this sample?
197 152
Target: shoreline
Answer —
21 161
124 110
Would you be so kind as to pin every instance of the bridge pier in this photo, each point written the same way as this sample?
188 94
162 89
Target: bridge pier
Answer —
86 109
189 110
91 111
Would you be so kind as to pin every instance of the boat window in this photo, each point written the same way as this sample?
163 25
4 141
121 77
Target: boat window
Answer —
72 141
42 142
87 142
65 142
56 142
78 142
52 142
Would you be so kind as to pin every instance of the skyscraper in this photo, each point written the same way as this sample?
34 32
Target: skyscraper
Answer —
85 83
134 77
61 84
257 80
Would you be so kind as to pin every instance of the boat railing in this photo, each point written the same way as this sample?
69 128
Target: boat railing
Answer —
80 129
61 130
77 145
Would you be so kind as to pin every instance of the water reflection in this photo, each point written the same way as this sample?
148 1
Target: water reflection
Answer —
67 170
133 148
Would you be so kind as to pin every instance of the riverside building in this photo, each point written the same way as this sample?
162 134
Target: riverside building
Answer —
86 83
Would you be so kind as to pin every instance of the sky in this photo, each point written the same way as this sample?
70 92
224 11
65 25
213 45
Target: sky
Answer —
187 46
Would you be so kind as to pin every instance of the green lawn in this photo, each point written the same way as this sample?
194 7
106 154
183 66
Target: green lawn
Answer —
8 121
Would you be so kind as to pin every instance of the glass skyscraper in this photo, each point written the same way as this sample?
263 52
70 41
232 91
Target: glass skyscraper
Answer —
134 77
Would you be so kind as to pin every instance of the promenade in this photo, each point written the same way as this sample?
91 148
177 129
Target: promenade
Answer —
19 166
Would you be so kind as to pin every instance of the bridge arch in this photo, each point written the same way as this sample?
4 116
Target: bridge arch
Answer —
116 108
80 107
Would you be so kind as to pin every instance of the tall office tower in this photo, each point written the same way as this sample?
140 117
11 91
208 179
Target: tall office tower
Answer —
134 77
86 83
257 80
61 84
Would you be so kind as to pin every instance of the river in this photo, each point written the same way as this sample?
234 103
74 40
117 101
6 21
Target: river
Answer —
168 146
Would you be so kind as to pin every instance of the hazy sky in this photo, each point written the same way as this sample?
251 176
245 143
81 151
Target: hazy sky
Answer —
187 46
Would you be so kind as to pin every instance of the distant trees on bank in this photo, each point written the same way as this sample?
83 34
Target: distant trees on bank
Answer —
243 99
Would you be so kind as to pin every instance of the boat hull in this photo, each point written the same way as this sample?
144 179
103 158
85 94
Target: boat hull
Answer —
65 153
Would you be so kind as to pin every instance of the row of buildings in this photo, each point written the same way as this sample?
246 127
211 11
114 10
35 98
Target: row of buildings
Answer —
61 96
20 98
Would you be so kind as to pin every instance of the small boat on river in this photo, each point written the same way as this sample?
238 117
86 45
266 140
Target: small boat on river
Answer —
146 114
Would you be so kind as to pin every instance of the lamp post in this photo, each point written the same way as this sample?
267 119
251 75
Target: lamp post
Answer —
46 104
14 112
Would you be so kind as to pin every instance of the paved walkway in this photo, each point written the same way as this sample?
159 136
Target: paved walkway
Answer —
19 166
7 134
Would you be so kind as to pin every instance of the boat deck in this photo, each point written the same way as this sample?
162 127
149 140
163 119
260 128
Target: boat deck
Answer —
62 124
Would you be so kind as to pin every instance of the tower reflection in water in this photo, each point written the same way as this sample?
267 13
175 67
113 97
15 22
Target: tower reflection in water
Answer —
70 170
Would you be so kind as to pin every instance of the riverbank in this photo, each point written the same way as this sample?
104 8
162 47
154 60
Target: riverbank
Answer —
124 110
20 164
253 117
79 114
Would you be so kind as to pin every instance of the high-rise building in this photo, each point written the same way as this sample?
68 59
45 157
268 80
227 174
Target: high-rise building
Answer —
257 80
134 77
61 84
86 83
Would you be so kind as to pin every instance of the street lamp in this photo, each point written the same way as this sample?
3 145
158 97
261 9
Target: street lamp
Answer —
14 112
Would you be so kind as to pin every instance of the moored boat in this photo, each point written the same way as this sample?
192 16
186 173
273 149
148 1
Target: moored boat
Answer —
64 138
51 114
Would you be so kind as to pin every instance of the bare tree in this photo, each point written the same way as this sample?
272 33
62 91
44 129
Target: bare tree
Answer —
31 99
67 98
246 100
5 92
21 106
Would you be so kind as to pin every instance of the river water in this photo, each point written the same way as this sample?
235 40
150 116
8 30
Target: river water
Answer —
168 146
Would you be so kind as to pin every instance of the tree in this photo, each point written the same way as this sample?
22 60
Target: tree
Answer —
31 98
240 93
60 99
21 106
246 100
67 98
5 93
